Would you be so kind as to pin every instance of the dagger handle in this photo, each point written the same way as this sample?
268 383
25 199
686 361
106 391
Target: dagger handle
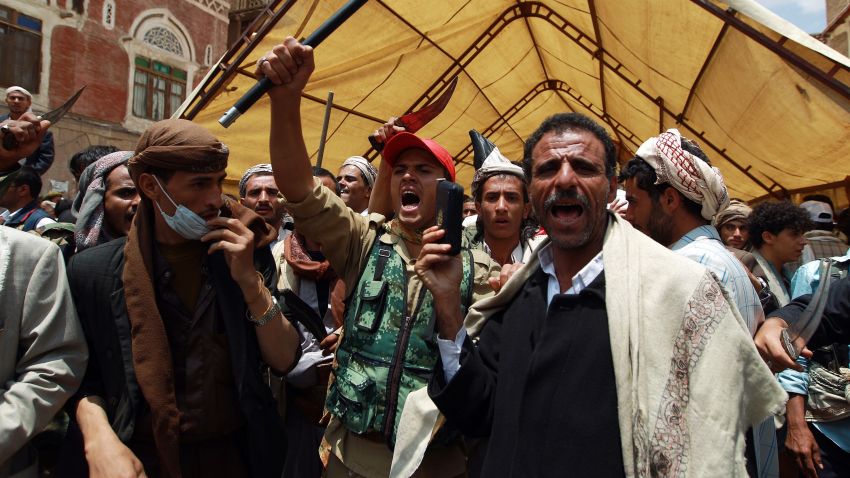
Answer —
788 345
375 144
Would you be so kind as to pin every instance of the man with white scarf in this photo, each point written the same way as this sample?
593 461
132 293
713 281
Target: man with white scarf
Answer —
673 194
356 179
603 355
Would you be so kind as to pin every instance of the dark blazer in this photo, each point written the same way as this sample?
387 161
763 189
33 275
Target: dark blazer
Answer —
98 291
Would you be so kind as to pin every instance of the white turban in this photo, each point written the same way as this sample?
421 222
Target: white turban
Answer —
691 176
366 169
13 89
494 164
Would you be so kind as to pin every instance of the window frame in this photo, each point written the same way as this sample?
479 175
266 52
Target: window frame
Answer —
11 23
150 89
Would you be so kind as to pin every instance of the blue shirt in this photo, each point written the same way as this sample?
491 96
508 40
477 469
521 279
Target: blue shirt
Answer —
703 245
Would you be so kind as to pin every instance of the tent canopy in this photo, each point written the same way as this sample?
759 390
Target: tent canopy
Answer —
767 102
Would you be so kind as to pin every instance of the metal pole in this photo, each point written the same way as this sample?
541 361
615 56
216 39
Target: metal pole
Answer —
328 106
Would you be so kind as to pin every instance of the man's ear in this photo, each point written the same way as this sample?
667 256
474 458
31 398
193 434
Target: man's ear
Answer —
768 237
147 186
242 202
670 200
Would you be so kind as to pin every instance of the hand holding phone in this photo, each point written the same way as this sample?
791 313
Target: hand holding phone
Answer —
450 213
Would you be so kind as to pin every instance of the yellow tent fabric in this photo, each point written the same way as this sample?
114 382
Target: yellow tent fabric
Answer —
769 104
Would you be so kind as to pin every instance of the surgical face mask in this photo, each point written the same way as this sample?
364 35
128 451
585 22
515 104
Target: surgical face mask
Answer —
184 221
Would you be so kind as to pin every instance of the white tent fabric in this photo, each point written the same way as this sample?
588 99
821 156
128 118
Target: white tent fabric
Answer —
768 103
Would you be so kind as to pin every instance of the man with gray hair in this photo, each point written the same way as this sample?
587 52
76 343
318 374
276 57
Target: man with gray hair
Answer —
19 101
356 178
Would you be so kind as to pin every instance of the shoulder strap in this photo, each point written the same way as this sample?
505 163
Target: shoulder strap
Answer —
384 252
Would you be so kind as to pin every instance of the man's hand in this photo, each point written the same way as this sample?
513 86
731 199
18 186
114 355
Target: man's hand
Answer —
388 130
441 274
289 66
109 458
800 441
105 454
236 241
28 131
505 273
768 341
330 343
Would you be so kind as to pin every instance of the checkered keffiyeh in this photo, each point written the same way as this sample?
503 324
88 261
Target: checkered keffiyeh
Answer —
88 205
690 175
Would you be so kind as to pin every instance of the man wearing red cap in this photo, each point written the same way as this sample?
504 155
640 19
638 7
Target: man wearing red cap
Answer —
389 347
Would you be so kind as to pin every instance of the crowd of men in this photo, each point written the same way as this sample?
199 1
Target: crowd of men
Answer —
317 324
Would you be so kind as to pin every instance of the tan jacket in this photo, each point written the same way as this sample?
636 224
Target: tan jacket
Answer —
43 352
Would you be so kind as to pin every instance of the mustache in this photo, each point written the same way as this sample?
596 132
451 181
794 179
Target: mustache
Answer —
560 195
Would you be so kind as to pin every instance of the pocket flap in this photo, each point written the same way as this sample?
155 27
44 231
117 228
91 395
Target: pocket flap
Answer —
373 289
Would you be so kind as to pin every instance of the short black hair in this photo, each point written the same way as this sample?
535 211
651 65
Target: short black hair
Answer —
774 217
27 176
561 122
645 177
80 161
321 172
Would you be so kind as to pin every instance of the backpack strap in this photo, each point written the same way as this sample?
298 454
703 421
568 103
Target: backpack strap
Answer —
384 252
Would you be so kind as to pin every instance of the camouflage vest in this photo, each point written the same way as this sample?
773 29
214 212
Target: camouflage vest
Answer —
385 354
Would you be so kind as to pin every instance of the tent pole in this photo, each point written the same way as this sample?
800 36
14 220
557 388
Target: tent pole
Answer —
328 106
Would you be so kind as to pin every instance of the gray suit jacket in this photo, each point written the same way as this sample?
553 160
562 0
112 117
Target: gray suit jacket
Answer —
43 352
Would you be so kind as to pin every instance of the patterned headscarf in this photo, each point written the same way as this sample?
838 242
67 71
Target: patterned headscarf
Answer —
366 169
691 176
493 165
88 205
243 183
735 210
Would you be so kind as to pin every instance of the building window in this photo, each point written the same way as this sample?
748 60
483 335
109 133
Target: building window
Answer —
158 89
164 39
208 56
109 14
20 49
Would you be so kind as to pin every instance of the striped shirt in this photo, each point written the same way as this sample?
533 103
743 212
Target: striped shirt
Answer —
703 245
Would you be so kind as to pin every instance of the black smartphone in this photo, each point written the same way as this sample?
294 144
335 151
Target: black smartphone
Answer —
450 213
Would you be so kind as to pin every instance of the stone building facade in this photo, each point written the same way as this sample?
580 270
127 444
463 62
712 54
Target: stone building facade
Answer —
837 28
138 58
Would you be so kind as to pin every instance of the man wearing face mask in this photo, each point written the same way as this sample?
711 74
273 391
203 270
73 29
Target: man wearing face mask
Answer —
179 322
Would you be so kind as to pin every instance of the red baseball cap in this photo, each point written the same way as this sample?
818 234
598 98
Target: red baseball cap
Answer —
404 141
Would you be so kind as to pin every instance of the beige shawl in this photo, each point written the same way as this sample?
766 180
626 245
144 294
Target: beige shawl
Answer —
689 379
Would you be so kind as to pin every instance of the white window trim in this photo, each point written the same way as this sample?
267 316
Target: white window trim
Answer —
135 46
106 4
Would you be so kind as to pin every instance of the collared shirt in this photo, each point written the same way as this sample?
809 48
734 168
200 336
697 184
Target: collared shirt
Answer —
450 349
703 245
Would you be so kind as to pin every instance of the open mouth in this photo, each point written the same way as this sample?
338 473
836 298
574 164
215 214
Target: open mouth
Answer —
566 212
409 200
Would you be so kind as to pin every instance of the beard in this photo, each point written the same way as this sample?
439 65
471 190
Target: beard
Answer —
660 226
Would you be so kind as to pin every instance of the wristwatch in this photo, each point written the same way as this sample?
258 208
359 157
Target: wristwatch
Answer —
269 315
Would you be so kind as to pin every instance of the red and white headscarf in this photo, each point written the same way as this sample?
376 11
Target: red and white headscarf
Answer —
687 173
